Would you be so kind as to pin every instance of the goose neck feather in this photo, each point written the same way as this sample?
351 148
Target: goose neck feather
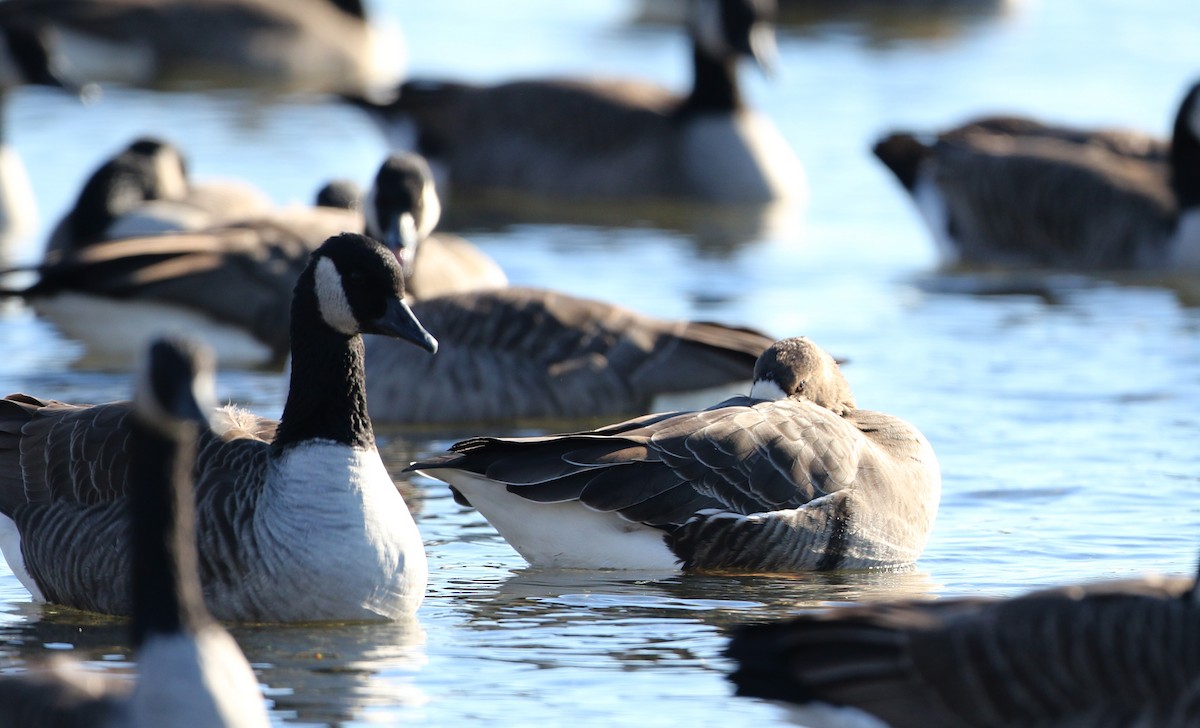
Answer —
327 397
714 85
1185 151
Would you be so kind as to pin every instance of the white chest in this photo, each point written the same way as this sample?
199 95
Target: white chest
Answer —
742 158
336 537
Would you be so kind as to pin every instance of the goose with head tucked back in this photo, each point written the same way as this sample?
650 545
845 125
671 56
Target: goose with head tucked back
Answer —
1109 654
233 283
793 477
145 189
1014 192
579 138
191 673
310 46
280 509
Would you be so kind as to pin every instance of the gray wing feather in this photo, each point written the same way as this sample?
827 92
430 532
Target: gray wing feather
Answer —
1112 655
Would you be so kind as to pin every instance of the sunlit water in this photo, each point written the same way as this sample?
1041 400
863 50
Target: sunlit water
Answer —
1065 411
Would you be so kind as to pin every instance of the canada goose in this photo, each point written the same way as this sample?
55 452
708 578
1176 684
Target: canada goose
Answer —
277 45
233 283
190 671
1114 654
302 525
588 138
24 60
1019 193
791 478
144 189
528 353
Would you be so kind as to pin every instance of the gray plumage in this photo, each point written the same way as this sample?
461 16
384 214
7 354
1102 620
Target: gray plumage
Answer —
1016 192
526 353
262 492
600 138
279 45
1106 655
799 482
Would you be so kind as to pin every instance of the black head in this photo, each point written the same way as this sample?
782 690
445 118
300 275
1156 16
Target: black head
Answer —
1185 149
402 207
343 194
359 289
30 60
796 367
730 29
148 169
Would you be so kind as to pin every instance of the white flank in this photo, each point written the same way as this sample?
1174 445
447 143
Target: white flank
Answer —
331 298
10 546
334 518
116 331
563 535
18 207
742 157
187 682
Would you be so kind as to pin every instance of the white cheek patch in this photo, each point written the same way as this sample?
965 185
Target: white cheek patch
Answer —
431 209
766 389
168 167
331 298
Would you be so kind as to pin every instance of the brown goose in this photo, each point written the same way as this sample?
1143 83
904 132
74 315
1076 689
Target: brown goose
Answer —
277 45
311 504
793 477
532 354
622 139
1117 654
190 671
1014 192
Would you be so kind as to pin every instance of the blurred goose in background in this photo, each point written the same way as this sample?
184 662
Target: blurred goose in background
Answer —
281 506
278 45
190 671
532 354
145 189
793 477
24 60
1107 654
588 138
233 284
1012 192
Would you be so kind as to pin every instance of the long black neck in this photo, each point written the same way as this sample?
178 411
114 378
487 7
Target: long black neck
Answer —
327 396
1185 152
714 85
167 598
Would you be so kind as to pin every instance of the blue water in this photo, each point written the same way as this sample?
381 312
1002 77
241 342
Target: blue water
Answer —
1065 414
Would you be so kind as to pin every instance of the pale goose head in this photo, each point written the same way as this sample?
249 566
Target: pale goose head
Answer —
797 367
402 207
